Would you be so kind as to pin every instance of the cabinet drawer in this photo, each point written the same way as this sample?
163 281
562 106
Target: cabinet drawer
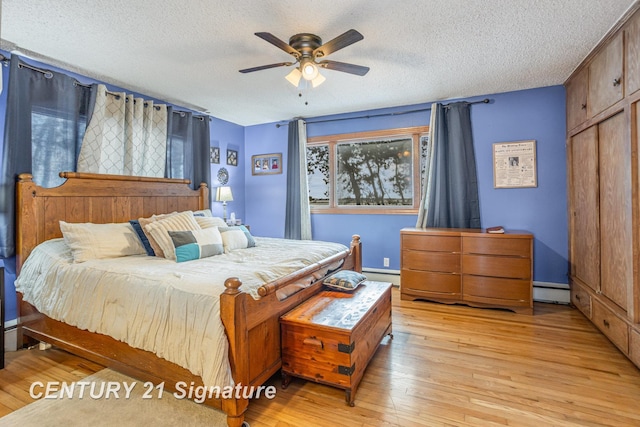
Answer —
478 288
610 325
581 299
496 246
426 281
431 243
634 347
495 266
431 261
605 77
577 99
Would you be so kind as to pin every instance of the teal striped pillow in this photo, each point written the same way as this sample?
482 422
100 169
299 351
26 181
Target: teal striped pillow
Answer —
196 244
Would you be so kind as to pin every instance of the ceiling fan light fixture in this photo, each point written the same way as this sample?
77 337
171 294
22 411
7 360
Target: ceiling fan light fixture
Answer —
294 77
309 69
318 80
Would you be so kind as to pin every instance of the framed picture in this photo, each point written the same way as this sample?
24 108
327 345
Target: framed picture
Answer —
266 164
232 157
214 154
514 164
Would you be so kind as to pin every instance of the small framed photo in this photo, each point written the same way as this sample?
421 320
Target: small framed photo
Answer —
232 157
266 164
214 155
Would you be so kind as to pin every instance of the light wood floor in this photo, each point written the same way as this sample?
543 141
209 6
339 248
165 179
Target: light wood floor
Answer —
446 366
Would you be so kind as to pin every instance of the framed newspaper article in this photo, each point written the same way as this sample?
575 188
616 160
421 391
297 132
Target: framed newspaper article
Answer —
514 164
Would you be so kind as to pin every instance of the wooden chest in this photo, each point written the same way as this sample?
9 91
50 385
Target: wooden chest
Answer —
331 337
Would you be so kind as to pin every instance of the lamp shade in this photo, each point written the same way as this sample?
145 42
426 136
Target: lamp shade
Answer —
223 194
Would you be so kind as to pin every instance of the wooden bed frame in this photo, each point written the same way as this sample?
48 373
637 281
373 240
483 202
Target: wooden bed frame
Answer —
252 326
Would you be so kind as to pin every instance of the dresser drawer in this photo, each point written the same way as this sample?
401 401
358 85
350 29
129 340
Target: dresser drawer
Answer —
483 289
581 299
495 266
496 246
431 261
435 283
431 243
610 325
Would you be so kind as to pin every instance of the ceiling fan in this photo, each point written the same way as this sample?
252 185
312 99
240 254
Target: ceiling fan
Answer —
307 48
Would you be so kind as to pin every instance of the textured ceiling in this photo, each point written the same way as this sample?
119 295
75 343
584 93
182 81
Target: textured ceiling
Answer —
188 52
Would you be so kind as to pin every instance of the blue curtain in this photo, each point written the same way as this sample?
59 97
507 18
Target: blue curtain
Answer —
297 214
450 194
45 122
188 148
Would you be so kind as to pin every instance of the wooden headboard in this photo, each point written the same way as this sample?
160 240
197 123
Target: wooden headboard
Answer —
96 198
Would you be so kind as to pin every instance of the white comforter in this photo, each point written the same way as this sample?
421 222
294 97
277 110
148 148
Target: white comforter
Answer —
171 309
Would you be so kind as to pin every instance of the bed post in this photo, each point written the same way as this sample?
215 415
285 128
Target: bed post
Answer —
233 315
26 230
205 203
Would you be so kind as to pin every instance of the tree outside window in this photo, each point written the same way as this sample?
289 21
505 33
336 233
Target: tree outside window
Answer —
377 172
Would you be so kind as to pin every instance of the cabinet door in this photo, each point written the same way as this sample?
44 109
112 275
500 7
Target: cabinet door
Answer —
584 221
577 98
616 230
632 55
605 77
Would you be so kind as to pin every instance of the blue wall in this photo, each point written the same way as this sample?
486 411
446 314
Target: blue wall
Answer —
537 114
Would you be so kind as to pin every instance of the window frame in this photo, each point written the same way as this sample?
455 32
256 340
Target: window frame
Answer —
415 133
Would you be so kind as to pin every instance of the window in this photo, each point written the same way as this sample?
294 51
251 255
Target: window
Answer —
56 137
369 172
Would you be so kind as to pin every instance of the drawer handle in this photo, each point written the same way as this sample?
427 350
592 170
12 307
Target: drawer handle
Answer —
616 82
578 297
313 341
606 323
584 106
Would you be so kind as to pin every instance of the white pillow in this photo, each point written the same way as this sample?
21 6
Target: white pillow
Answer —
236 238
208 222
96 241
159 230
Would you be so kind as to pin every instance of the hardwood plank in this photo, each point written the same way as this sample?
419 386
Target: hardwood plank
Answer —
447 365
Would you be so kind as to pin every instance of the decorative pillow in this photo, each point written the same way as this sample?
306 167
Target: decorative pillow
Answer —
345 280
204 212
96 241
196 244
159 231
143 237
208 222
236 238
157 250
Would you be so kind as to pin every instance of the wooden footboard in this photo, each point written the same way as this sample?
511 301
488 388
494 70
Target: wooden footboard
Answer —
252 326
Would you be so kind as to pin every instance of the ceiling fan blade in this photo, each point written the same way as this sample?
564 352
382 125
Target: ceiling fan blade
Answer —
343 40
265 67
278 43
344 67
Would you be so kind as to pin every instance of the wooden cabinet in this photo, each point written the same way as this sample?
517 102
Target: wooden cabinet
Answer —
467 266
604 184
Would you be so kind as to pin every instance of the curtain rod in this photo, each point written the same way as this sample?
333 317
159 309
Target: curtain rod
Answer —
484 101
48 74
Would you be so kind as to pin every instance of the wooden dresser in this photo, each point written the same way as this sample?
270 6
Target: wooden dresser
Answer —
331 337
467 266
603 125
